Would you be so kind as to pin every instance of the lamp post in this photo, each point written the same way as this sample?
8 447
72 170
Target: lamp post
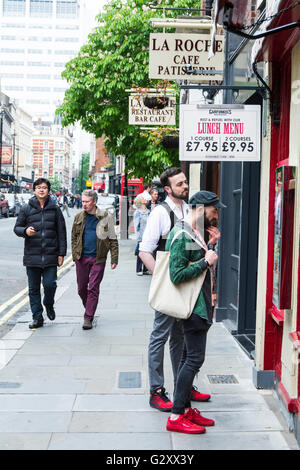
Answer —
17 172
14 135
208 7
124 205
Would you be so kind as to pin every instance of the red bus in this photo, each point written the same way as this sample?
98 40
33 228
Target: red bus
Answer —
99 186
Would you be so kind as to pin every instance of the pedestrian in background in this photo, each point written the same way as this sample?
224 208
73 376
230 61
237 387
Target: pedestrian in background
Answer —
140 218
154 200
42 225
188 260
66 204
4 206
146 193
93 236
78 201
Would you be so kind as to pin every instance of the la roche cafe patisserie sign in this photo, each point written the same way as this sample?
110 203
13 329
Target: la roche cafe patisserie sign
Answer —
171 53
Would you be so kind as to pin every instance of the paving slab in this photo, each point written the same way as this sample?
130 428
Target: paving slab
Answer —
29 441
230 441
34 422
36 402
121 422
38 385
68 348
113 403
110 441
23 360
59 385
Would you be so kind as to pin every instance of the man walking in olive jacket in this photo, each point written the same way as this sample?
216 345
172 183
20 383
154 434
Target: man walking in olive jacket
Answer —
42 225
93 236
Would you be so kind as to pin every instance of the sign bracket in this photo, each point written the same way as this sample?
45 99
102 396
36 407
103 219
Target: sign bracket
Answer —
259 89
227 22
262 90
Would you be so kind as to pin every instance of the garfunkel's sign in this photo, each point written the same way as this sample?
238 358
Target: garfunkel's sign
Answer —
170 54
141 115
220 133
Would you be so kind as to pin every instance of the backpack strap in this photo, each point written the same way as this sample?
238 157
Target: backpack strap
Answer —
162 241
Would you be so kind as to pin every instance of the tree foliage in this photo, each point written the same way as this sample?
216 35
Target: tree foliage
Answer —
56 185
115 58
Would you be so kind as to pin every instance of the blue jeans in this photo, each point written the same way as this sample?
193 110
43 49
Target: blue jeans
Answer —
195 332
48 276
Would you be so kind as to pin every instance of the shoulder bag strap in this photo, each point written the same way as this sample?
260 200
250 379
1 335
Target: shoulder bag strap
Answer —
194 239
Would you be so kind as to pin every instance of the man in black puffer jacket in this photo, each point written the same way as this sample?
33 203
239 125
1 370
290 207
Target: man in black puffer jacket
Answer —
43 226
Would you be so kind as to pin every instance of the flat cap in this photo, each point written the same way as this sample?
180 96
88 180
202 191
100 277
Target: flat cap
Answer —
206 198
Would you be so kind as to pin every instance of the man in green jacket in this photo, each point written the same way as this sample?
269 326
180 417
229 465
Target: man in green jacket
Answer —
93 236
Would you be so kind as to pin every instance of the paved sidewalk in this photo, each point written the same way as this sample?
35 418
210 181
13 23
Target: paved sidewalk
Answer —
65 388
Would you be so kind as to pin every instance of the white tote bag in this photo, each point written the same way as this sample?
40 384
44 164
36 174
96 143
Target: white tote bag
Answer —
175 300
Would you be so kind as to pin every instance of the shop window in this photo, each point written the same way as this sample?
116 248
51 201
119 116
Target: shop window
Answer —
283 236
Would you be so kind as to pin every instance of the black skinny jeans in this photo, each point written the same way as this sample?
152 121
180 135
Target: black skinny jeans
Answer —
195 332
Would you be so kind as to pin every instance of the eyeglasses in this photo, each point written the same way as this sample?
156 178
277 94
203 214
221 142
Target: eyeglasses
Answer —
42 187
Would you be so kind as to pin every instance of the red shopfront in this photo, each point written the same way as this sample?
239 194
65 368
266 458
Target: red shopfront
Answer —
277 347
282 246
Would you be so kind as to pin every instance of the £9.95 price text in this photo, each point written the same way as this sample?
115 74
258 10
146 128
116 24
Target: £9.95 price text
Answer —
193 146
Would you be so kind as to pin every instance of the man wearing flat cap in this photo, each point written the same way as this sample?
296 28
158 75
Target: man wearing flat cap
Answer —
191 257
211 203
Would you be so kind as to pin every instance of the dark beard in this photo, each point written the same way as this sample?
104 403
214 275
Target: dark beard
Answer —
178 197
207 224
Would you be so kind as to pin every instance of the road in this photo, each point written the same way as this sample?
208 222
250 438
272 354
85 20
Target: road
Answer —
13 278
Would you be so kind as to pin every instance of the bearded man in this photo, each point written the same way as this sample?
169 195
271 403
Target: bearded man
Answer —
159 225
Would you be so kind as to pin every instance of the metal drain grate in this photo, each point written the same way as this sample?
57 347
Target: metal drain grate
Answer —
222 379
130 380
10 384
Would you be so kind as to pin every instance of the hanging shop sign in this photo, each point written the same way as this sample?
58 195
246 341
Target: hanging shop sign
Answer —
171 53
220 133
141 115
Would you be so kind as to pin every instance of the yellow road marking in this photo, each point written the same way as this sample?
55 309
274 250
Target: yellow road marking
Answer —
13 310
67 264
13 299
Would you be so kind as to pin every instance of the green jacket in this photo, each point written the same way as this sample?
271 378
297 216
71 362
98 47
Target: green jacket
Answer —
183 251
106 237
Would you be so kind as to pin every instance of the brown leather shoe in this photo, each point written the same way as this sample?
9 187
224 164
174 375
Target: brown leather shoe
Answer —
87 324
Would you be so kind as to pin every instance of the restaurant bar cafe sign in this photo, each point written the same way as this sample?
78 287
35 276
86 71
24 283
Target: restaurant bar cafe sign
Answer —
171 53
141 115
229 133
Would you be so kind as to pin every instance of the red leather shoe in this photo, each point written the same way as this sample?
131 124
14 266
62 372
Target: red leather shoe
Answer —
195 417
197 396
182 424
160 401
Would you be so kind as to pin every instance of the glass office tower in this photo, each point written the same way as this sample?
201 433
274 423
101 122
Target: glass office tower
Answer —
37 38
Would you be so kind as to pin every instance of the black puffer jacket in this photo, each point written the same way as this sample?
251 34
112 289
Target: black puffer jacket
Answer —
42 249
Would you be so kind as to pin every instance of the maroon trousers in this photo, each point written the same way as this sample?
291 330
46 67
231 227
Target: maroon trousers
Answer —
89 275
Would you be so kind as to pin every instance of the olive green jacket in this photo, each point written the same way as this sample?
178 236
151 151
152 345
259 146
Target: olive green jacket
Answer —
106 236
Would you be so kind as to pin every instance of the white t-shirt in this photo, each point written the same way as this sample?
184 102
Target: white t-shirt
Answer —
159 224
146 195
